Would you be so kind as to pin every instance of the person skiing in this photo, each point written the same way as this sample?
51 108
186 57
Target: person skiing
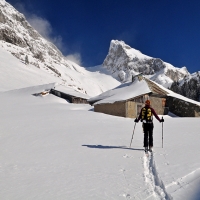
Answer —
146 116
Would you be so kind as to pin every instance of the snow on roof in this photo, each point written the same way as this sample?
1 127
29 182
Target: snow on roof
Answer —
130 90
123 92
31 89
178 96
71 91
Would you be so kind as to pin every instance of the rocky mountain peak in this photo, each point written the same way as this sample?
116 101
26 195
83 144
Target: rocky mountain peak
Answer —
123 62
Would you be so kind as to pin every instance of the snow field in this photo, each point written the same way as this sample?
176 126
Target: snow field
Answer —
50 149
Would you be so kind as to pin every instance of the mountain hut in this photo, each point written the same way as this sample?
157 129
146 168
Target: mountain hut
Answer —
128 99
70 95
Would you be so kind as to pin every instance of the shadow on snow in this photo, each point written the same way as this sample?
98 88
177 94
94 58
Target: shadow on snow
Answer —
110 147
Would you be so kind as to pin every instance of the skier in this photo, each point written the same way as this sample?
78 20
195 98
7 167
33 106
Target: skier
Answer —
146 116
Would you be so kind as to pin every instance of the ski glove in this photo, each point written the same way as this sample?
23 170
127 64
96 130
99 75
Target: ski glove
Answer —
136 120
162 120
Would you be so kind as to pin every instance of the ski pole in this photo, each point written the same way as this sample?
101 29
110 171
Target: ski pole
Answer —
162 133
133 134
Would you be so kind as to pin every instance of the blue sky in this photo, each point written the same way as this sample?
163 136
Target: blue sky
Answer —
165 29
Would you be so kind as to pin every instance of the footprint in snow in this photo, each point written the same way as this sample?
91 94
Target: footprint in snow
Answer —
126 156
127 196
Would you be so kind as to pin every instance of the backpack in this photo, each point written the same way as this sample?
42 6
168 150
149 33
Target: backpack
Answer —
146 114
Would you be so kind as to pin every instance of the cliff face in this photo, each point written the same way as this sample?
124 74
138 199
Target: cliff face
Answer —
189 86
15 30
123 62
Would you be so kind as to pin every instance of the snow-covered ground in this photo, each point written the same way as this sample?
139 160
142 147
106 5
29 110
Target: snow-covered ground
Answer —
50 149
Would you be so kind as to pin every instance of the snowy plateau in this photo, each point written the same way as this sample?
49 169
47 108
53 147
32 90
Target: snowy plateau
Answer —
54 150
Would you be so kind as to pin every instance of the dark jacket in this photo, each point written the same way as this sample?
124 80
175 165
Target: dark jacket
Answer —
152 111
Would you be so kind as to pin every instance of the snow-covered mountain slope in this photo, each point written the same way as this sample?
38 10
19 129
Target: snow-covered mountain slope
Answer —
123 62
15 74
46 62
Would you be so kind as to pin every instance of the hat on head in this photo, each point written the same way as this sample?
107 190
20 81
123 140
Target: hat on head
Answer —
147 102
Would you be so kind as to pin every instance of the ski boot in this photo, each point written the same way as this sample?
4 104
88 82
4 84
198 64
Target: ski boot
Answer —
150 149
146 149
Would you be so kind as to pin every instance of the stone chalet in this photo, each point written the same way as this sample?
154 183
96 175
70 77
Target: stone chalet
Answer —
127 100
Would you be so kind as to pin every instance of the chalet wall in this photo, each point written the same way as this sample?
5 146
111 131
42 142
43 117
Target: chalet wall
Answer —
158 104
121 109
79 100
117 108
131 109
182 108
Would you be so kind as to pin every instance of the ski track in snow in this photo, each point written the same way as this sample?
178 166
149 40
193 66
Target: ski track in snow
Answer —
183 181
156 187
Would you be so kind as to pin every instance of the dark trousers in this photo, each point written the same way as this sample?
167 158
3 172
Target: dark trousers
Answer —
148 134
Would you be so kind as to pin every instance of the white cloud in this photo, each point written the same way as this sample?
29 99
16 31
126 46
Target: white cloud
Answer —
41 25
44 28
58 42
74 58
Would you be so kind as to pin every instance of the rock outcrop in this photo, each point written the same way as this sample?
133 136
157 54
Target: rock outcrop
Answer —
15 30
123 62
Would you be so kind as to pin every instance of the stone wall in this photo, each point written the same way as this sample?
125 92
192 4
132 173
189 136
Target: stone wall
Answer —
182 108
116 109
131 109
158 104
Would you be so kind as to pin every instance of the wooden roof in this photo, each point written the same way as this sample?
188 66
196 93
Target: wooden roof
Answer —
155 88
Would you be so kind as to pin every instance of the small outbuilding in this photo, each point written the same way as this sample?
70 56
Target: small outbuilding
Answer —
69 94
